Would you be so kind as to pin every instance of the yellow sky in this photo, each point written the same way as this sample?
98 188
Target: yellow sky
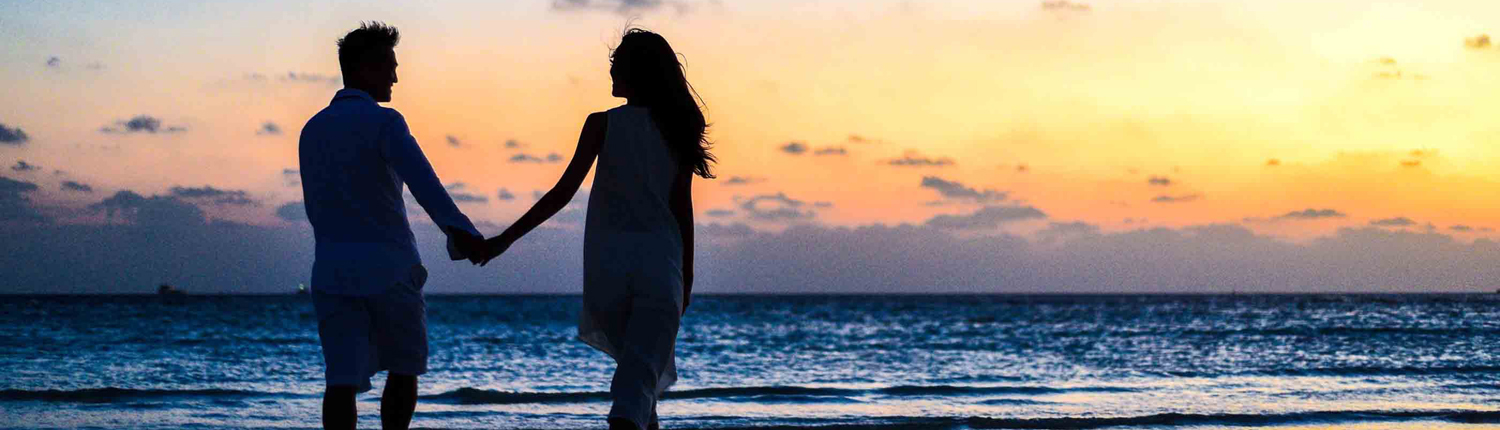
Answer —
1092 103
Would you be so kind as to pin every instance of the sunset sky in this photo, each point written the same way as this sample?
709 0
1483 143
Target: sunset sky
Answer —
1027 137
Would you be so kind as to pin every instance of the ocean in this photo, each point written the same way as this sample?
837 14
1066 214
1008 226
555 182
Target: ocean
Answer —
837 362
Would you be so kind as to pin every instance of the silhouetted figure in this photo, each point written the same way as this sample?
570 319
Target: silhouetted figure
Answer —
367 277
638 236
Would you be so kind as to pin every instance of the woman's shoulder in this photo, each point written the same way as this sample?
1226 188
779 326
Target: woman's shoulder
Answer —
597 119
626 115
625 109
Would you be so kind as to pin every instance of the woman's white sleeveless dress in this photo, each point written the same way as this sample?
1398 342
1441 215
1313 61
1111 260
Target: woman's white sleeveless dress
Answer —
632 263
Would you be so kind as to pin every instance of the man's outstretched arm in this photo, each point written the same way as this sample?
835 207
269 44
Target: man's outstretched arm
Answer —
404 156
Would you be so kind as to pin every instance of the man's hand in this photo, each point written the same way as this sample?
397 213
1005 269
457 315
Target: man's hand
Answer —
472 246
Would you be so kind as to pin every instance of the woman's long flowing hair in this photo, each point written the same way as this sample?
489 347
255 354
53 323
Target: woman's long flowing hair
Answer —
649 68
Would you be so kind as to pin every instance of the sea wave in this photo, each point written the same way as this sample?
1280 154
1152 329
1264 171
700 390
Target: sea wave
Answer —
112 394
1180 419
1404 371
779 393
1165 420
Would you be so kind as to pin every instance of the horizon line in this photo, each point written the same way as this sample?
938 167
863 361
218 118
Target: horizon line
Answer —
829 294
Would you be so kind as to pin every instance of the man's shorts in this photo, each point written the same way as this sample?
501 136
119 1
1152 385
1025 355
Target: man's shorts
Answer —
363 335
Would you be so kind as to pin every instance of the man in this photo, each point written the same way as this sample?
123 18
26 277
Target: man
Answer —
367 276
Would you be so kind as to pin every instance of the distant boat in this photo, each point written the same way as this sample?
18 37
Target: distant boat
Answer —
168 290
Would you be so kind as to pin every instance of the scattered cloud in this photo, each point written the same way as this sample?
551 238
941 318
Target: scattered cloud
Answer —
724 230
292 177
743 180
528 158
12 186
1160 181
292 212
1065 5
15 205
76 186
214 196
987 217
958 191
9 186
268 129
1393 222
794 148
506 195
832 150
1312 214
1461 228
720 213
912 159
513 144
1022 168
141 124
307 78
1176 199
23 166
454 141
1411 163
56 63
776 207
623 7
155 210
1478 42
12 136
1059 231
455 192
1273 162
462 197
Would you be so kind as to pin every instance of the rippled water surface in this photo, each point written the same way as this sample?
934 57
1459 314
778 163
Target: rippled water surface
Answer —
941 362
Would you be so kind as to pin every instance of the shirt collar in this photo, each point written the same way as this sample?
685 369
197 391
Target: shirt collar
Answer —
352 93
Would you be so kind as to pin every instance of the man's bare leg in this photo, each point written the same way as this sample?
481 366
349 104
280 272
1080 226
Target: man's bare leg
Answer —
398 402
339 412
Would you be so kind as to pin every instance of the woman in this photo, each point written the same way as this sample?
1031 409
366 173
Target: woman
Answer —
638 234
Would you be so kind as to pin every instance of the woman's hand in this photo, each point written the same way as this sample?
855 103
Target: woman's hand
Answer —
493 247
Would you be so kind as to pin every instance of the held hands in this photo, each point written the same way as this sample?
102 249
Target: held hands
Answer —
477 249
472 246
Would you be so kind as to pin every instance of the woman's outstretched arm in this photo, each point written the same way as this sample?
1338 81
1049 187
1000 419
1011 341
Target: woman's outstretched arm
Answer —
682 209
589 142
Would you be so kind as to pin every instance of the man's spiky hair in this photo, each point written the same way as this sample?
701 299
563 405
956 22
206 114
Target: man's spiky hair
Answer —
370 37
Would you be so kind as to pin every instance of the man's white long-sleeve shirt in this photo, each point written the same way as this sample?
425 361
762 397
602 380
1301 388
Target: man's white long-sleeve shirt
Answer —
355 156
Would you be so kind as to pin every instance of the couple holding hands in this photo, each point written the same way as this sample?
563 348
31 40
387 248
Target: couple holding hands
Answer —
367 279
